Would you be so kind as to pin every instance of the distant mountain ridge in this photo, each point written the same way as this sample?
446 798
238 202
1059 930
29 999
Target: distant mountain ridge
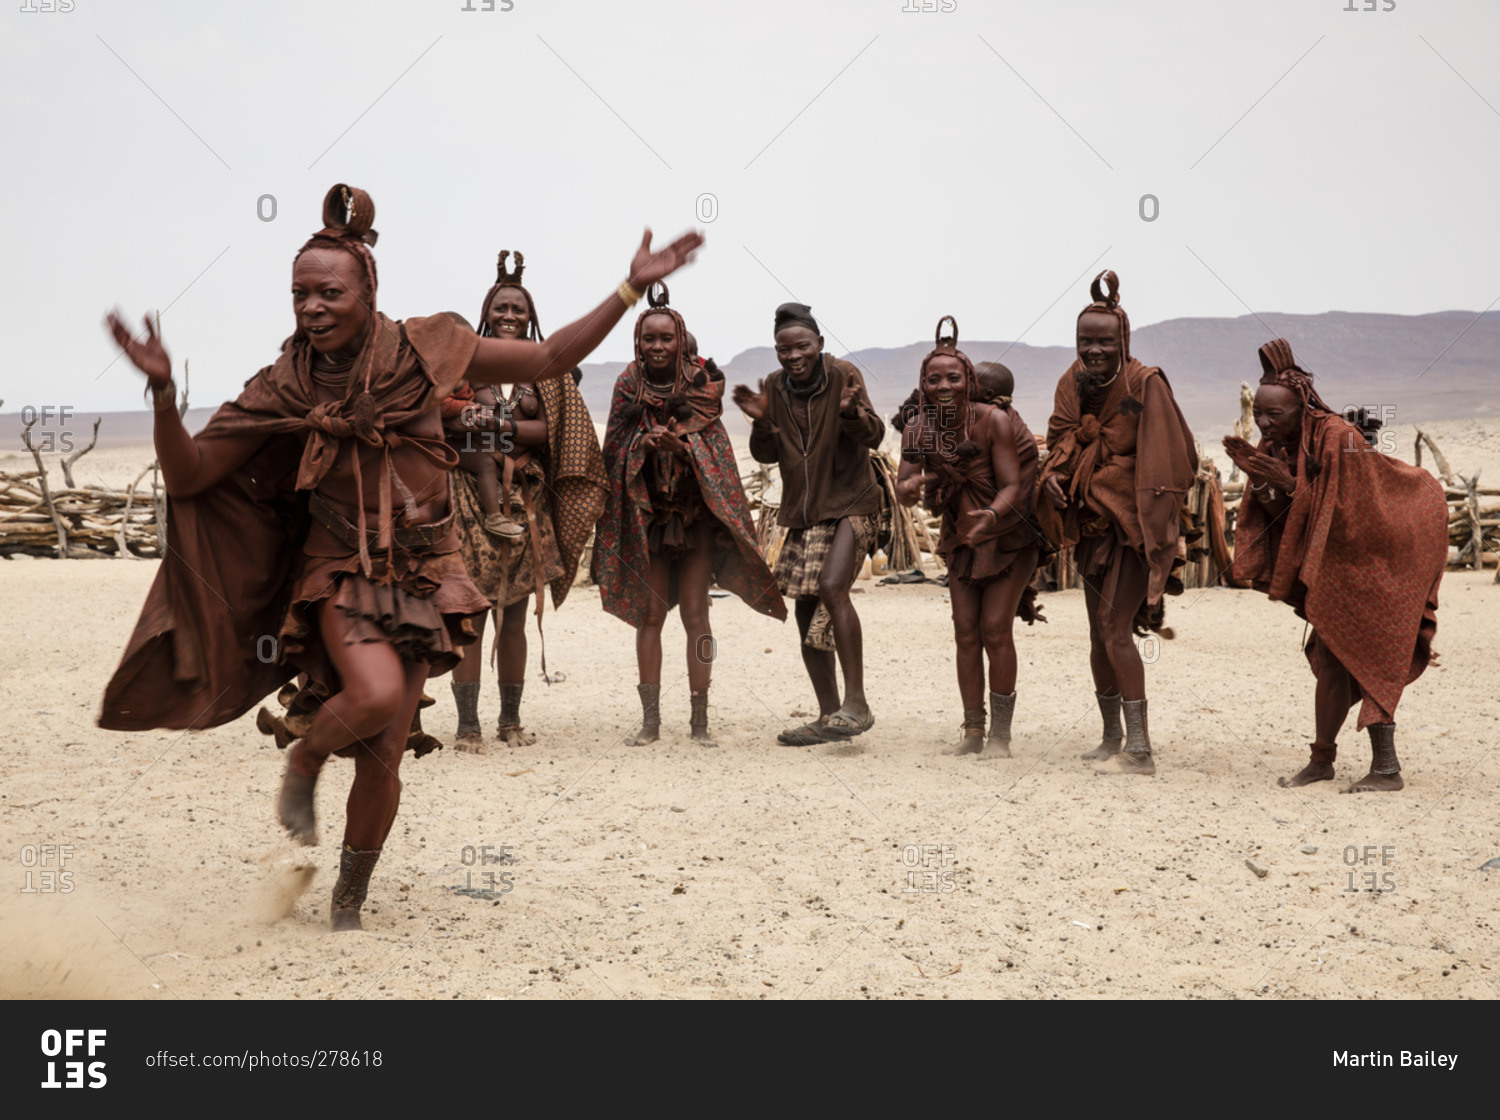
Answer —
1425 367
1357 359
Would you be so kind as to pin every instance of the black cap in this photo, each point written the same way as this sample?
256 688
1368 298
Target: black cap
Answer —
796 314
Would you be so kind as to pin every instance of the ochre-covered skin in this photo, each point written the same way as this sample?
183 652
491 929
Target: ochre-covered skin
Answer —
314 511
1120 460
1355 541
976 465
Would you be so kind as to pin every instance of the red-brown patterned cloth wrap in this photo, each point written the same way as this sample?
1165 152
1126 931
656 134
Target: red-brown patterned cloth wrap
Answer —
576 476
504 570
234 550
622 555
563 485
1126 470
1359 553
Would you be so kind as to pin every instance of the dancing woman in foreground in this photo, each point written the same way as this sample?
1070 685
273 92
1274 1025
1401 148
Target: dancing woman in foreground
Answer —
311 517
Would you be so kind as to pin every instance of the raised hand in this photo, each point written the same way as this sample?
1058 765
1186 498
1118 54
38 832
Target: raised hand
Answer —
848 396
753 402
147 354
649 266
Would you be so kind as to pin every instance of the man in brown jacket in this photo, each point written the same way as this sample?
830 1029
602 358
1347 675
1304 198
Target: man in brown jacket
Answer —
814 418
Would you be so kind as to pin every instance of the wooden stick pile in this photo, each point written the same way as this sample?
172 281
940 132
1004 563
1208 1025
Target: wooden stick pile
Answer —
78 522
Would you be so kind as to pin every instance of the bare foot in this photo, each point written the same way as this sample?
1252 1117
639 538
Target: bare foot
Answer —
470 742
647 734
1106 750
294 807
703 738
971 743
516 736
995 748
1312 772
1142 764
1376 783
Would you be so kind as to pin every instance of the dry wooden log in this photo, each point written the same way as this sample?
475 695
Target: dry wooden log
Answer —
159 497
1477 546
1244 427
125 521
1444 471
62 530
67 463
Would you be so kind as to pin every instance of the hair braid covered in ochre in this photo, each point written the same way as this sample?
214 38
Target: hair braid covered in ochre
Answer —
946 346
685 374
1279 367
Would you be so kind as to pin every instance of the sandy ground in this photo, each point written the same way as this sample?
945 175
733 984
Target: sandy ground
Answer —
760 871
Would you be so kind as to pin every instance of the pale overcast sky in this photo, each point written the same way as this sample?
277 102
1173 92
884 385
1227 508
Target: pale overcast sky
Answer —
885 166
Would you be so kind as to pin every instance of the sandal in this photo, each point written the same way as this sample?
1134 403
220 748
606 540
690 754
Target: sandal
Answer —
916 575
842 725
499 525
805 736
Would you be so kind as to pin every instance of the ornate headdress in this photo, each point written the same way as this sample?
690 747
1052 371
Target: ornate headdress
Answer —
1107 300
348 214
946 346
658 299
1279 367
508 278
